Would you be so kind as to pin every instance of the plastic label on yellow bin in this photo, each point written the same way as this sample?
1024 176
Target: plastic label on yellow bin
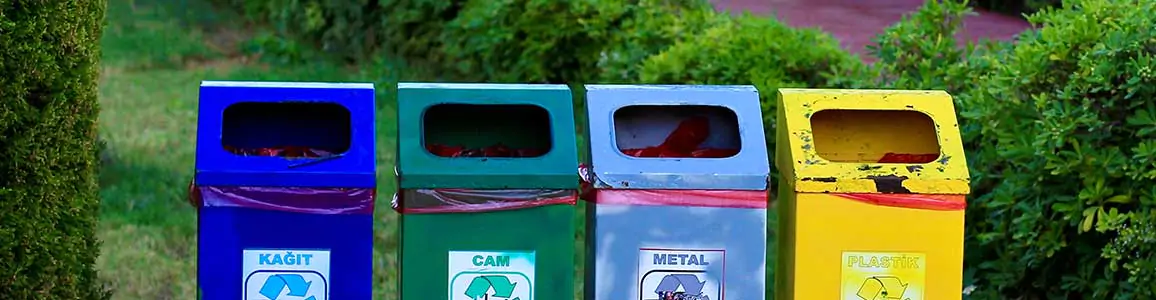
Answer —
872 195
881 275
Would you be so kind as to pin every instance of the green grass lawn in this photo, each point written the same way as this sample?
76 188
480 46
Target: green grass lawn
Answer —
156 53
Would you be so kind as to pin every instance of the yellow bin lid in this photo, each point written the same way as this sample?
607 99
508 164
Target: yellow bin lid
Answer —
869 141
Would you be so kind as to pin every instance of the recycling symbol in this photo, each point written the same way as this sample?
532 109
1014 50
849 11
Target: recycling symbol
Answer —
681 287
882 288
481 286
297 286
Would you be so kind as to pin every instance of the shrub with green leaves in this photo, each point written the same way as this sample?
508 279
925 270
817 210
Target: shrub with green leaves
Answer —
569 40
1065 158
305 19
49 202
413 28
650 28
355 29
531 41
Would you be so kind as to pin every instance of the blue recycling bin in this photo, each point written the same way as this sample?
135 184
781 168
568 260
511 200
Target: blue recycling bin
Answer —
677 184
284 185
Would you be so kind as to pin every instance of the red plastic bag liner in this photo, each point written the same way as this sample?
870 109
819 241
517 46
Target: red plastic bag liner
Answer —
901 158
288 199
684 141
421 201
283 151
695 198
498 150
323 201
914 201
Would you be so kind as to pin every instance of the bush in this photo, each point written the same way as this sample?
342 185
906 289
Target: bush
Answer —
301 18
569 41
413 28
750 50
650 28
355 29
532 41
1065 181
48 183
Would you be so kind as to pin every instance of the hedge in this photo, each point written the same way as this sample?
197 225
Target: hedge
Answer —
1059 125
1066 149
48 186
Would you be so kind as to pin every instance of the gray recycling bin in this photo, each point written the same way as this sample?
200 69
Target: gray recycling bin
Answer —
677 180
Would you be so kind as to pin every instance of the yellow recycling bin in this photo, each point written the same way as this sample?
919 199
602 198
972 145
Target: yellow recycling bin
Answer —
872 195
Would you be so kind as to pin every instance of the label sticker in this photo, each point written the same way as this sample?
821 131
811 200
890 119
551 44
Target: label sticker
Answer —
674 274
491 275
285 275
883 276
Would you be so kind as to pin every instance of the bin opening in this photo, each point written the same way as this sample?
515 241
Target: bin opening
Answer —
286 129
487 130
677 131
875 136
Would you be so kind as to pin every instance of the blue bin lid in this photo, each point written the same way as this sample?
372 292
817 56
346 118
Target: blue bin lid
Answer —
353 168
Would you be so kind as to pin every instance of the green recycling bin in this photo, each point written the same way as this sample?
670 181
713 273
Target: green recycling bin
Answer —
488 191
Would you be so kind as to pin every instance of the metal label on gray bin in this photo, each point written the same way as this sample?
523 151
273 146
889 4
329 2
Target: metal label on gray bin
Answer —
286 275
674 274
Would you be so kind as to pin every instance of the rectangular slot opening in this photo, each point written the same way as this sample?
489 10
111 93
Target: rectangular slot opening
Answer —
477 130
875 136
286 129
676 131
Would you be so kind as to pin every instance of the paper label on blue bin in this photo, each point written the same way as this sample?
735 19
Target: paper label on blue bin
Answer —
286 274
491 275
680 274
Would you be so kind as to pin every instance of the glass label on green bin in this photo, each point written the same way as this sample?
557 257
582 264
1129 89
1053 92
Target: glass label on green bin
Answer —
491 275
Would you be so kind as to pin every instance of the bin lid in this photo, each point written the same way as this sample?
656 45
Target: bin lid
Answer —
634 118
869 141
486 136
243 128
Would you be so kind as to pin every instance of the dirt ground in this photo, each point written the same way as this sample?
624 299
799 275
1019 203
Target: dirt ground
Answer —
855 22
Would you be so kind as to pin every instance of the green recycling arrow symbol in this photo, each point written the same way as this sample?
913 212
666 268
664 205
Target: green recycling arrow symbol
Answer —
481 285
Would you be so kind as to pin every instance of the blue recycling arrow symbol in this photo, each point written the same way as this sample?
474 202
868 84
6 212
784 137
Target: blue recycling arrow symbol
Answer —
296 284
689 283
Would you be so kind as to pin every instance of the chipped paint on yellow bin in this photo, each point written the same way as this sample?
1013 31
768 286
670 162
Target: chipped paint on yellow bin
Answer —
883 276
854 222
